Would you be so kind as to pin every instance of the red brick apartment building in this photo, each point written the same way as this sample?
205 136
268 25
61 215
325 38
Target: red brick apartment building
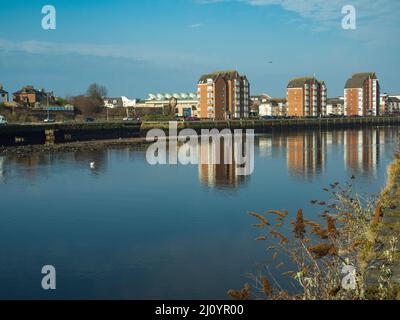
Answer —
224 95
306 97
362 95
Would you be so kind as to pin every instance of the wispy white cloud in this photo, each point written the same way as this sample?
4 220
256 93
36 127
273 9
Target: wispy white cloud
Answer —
329 12
196 25
132 52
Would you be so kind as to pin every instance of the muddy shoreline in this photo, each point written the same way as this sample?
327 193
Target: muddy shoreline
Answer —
95 145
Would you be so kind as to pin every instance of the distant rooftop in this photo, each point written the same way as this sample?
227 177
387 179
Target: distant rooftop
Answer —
30 89
227 74
168 96
279 100
357 80
337 100
300 82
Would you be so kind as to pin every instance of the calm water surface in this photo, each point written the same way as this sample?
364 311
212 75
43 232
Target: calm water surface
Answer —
127 230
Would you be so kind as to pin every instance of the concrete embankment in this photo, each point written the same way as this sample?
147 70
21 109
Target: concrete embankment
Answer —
20 135
265 126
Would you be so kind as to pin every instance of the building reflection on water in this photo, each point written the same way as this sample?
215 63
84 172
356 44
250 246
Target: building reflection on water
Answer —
362 150
305 153
219 176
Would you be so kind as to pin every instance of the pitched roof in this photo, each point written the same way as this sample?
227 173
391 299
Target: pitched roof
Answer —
278 100
335 101
364 74
227 75
261 96
357 80
300 82
393 99
1 89
28 89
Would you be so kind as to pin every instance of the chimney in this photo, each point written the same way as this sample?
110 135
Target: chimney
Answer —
1 86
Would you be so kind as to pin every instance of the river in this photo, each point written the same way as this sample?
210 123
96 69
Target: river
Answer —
124 229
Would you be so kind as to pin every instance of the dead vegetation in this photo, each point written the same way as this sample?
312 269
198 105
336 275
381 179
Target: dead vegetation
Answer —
326 259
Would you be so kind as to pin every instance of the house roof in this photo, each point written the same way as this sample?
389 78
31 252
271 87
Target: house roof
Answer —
3 91
28 89
357 80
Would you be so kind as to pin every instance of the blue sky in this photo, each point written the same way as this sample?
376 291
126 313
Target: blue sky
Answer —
138 47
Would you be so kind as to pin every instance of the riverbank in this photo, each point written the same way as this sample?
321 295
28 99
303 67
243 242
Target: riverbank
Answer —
41 134
23 151
352 253
384 254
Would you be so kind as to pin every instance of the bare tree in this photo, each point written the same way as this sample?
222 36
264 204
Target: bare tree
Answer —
96 92
85 105
92 102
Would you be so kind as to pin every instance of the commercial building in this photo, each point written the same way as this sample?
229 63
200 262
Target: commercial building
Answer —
119 102
362 95
306 97
224 95
3 95
187 104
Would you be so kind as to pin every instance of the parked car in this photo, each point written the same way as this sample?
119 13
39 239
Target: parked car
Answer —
89 120
3 120
192 119
268 117
49 120
126 119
